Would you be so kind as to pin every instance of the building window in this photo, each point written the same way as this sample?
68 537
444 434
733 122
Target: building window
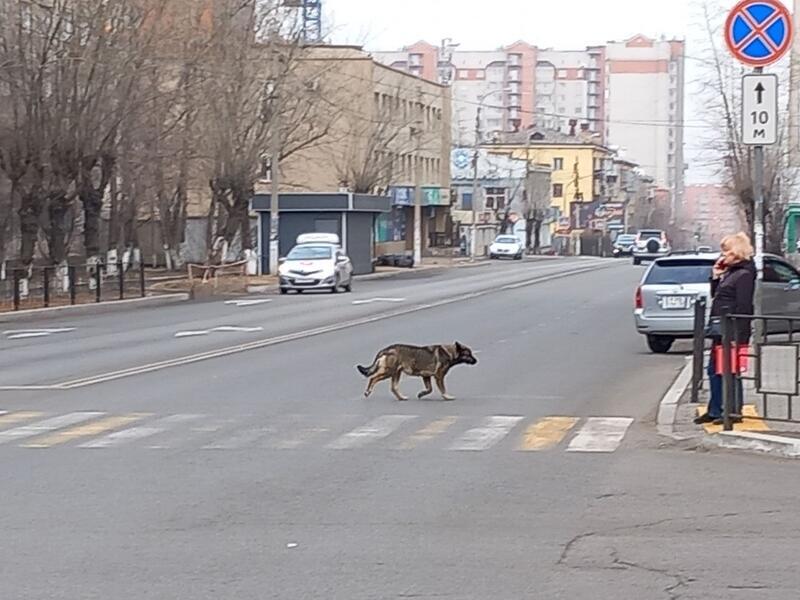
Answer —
463 74
558 190
495 198
558 164
466 201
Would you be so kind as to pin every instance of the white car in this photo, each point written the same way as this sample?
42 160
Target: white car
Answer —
317 262
508 246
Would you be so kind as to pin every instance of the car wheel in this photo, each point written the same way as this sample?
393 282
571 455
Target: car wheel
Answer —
349 287
299 292
335 288
284 291
518 256
660 344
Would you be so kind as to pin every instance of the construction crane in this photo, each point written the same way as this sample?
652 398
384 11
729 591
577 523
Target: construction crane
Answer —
312 18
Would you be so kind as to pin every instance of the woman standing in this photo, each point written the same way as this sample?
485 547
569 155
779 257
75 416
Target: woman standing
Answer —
732 285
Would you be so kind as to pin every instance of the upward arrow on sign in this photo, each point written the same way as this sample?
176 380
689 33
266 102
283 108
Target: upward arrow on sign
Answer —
759 93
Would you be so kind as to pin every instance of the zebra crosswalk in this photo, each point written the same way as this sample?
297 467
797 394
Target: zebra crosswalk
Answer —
95 430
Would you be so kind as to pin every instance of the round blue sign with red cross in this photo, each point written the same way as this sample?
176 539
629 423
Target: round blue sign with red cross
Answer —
758 32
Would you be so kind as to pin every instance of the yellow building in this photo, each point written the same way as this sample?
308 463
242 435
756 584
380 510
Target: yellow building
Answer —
579 165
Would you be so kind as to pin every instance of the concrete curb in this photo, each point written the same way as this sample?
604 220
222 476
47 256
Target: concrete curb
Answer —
668 408
750 441
93 309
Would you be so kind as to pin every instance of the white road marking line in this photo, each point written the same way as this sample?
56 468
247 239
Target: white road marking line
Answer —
20 334
120 438
371 300
251 302
300 438
600 434
187 435
40 427
274 341
241 439
223 328
493 430
377 429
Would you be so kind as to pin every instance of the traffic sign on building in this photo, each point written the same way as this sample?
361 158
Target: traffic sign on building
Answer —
758 32
760 109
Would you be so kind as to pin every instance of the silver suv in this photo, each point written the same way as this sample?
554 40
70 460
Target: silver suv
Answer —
664 304
650 244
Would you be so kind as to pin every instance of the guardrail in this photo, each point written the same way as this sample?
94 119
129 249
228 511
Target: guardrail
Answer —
47 286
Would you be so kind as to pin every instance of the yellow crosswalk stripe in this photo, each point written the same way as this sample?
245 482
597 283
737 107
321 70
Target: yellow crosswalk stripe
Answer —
546 433
428 432
19 417
90 429
753 423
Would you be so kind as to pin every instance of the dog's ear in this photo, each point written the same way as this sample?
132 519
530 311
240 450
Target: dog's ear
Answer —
459 347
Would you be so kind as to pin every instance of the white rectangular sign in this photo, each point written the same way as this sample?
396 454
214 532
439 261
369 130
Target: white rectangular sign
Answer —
760 110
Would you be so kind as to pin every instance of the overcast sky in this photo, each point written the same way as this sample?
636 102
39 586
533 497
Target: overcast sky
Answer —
560 24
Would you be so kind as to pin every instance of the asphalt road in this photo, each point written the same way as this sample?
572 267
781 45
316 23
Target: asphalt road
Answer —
245 464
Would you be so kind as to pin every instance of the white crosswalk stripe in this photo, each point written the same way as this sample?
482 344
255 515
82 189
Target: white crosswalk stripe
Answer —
376 429
93 429
600 434
52 424
126 436
493 430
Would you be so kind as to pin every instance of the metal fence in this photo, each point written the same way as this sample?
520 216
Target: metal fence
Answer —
771 364
50 286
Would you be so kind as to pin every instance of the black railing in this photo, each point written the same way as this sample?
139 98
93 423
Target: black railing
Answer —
48 286
772 365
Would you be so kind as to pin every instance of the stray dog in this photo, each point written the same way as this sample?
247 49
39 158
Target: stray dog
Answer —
426 362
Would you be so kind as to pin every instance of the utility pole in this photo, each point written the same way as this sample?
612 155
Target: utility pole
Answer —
794 96
275 152
473 243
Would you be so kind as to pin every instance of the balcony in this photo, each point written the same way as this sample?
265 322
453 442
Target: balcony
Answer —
515 75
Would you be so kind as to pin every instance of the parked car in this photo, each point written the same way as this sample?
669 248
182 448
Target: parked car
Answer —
317 262
650 245
623 245
508 246
665 299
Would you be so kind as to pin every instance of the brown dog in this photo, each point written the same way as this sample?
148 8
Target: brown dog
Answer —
426 362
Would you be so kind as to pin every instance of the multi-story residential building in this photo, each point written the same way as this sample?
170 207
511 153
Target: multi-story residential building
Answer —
630 93
645 107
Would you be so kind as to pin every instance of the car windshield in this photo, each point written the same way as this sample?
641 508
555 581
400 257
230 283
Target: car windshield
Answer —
310 253
679 272
506 239
625 239
646 235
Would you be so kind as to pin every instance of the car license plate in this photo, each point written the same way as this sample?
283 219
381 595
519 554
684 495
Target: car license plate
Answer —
674 302
303 280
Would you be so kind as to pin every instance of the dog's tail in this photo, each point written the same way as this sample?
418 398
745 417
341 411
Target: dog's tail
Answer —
370 370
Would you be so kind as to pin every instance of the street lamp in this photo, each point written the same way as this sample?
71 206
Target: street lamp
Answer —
474 229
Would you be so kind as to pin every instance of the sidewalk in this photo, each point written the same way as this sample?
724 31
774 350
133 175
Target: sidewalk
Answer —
676 415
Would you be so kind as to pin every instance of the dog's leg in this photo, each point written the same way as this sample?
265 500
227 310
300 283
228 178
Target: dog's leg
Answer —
428 388
442 388
395 390
373 381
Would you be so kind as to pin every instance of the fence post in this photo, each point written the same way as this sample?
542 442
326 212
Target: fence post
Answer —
728 384
699 346
16 279
46 286
71 272
121 275
98 280
141 278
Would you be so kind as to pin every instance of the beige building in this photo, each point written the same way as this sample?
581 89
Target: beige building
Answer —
390 133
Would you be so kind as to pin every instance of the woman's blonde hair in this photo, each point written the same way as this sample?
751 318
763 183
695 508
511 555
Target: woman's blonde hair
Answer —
739 244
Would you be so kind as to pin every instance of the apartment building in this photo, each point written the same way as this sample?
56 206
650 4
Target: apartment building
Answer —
708 213
629 93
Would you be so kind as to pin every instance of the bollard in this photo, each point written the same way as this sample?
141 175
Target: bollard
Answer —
141 278
699 347
46 286
71 273
16 278
121 275
98 280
